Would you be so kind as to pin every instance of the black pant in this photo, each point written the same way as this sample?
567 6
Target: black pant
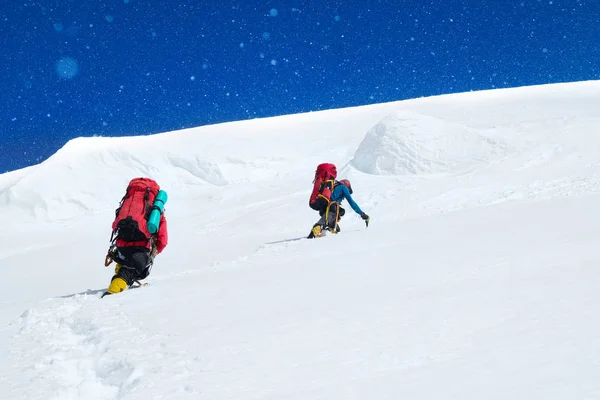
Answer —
330 220
319 205
134 263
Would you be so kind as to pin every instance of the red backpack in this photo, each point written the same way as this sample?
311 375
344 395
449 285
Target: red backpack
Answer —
131 217
323 184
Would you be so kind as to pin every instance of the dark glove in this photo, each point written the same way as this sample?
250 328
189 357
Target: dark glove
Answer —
366 218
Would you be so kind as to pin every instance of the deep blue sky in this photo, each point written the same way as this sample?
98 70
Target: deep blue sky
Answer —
74 68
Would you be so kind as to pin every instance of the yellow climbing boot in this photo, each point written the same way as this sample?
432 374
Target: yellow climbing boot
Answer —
117 285
316 230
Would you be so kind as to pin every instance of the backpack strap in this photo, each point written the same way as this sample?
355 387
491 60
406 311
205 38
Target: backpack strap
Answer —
326 189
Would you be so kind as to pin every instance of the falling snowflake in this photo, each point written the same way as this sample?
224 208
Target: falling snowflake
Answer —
67 67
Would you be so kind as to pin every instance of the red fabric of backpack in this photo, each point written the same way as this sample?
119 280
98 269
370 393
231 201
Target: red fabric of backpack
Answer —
131 217
323 184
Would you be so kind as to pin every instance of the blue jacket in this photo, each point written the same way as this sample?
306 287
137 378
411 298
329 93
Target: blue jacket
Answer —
341 192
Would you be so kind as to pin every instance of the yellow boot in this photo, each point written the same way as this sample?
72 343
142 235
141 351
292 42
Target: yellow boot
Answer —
117 285
315 232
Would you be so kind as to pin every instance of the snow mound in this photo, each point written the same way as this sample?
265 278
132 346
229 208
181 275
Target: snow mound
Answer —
84 176
411 143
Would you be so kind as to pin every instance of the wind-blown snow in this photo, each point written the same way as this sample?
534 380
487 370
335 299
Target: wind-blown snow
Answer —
477 278
410 143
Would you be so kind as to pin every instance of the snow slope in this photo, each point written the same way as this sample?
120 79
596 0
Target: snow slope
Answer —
476 279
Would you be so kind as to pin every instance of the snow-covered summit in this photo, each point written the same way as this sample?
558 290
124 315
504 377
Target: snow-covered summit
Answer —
442 134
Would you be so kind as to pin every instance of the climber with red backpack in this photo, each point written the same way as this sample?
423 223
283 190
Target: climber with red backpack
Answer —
139 233
326 198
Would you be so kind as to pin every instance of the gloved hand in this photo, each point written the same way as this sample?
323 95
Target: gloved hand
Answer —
366 218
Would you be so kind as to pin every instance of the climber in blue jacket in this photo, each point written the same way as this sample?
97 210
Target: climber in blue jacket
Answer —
330 217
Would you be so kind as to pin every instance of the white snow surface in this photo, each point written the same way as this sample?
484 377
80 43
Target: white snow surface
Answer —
477 279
